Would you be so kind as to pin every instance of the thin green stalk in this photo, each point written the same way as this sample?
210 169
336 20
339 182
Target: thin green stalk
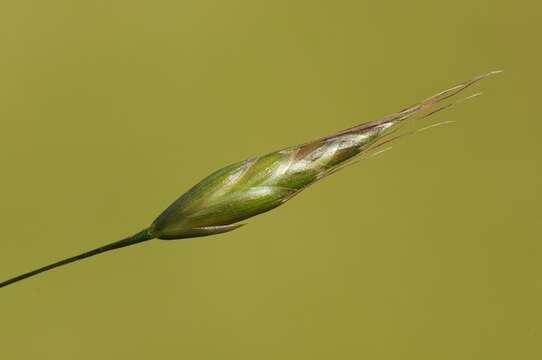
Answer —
132 240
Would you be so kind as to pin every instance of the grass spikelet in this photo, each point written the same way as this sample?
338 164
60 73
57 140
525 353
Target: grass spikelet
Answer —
242 190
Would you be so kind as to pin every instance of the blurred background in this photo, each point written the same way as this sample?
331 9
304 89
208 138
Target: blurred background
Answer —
109 110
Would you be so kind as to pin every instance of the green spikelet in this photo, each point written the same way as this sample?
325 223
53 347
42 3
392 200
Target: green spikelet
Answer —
257 185
239 191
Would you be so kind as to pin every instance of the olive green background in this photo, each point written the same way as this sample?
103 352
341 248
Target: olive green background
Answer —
109 110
